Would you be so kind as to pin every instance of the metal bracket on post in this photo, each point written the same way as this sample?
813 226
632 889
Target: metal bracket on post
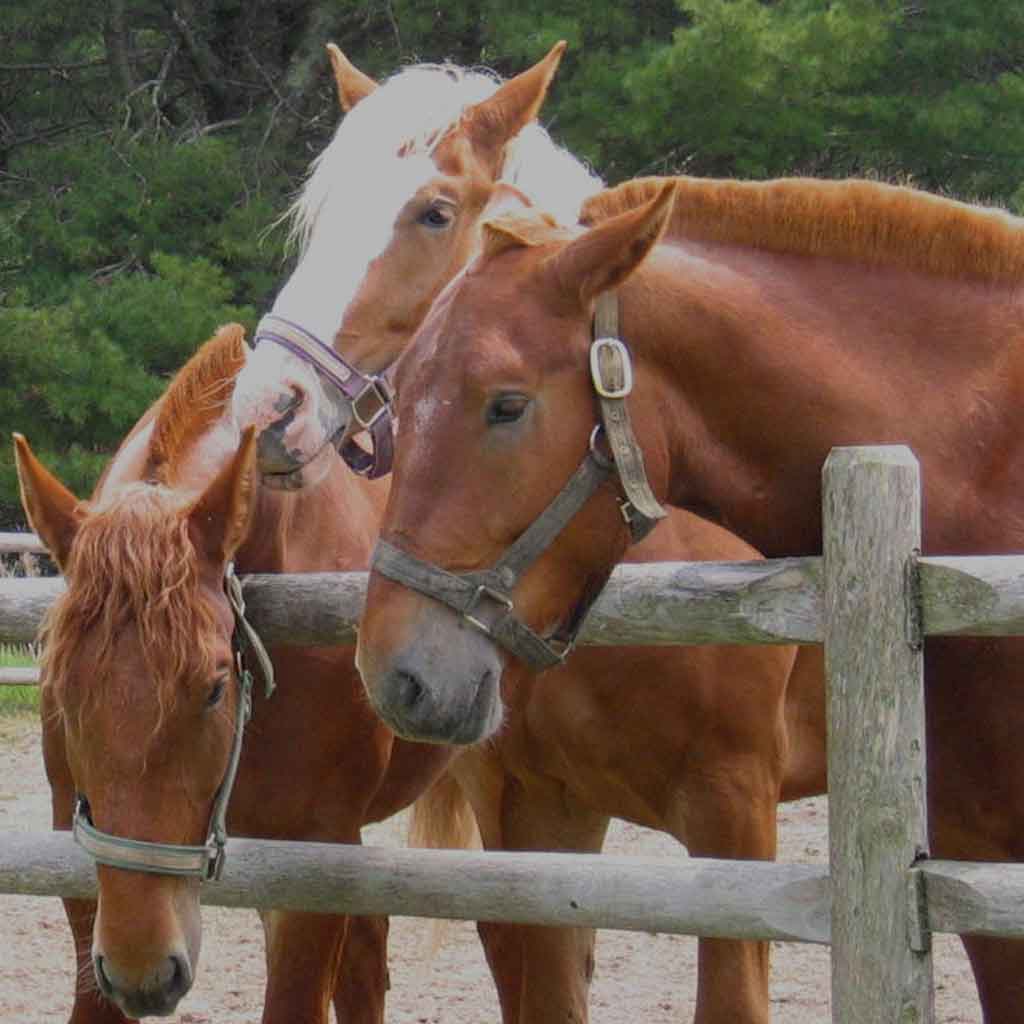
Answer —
919 933
915 617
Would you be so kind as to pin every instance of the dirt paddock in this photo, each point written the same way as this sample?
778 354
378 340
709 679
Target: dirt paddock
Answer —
639 977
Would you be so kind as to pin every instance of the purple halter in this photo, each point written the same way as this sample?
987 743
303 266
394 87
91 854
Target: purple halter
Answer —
368 394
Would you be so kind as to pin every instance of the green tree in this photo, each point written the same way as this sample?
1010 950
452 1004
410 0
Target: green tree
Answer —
147 146
929 92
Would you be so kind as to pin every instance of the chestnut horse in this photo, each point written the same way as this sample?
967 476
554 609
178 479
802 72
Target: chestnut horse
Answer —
141 696
769 322
548 782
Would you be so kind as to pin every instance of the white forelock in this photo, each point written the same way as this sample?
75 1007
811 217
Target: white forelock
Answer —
411 111
379 157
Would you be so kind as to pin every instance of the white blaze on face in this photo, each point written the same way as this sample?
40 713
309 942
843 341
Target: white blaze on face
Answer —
350 232
423 412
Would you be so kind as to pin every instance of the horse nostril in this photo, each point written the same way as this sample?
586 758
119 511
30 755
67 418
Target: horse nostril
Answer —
180 980
291 401
102 978
410 690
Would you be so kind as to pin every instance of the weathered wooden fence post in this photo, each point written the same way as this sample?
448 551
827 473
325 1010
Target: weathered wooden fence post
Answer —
881 957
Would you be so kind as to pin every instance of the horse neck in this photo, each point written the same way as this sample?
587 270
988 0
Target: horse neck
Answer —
329 526
759 364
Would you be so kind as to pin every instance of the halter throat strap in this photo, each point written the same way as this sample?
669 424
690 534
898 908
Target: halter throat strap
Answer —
368 395
204 862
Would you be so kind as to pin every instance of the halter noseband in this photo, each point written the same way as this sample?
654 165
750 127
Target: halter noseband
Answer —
204 862
368 395
483 598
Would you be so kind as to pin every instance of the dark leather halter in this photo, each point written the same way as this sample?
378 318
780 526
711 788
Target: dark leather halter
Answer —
204 862
483 598
368 395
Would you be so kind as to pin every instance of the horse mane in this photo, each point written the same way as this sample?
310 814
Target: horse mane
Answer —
409 114
865 221
195 399
132 562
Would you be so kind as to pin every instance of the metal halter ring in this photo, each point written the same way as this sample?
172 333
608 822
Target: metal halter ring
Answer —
615 379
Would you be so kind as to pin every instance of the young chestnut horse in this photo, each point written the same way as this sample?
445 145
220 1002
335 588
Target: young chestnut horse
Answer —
141 694
773 321
548 782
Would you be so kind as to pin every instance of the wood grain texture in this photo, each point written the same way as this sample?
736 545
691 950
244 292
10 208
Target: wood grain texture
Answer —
729 899
876 764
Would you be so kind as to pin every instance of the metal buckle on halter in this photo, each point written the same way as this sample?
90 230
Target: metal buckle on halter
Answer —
216 847
378 391
614 378
496 596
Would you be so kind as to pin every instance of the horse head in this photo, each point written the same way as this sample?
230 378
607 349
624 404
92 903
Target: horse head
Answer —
497 415
142 671
390 213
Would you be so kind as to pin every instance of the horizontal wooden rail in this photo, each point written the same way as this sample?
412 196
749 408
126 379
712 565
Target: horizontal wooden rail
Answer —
975 898
698 896
774 601
19 676
21 543
728 899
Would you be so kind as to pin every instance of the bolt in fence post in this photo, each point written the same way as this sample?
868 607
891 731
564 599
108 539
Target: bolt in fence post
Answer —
876 756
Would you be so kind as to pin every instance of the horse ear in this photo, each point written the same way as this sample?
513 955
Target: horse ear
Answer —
490 124
607 254
506 200
52 510
515 232
352 84
219 520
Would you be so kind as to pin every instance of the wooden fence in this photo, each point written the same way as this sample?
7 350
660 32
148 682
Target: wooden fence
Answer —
871 599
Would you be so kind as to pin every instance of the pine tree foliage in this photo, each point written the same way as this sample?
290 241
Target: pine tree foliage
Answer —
148 146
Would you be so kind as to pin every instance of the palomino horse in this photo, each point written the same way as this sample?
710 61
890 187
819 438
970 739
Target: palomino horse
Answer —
141 696
365 281
770 322
391 211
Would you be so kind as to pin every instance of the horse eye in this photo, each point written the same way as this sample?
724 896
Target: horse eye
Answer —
217 692
507 409
436 217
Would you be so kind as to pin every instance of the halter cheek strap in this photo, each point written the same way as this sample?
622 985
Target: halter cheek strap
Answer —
368 395
611 372
204 862
483 598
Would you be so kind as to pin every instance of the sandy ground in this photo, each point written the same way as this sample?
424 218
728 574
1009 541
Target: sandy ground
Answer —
639 977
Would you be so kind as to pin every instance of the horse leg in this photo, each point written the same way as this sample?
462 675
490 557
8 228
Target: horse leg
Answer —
557 963
541 974
90 1006
806 771
362 980
975 801
304 953
732 815
481 777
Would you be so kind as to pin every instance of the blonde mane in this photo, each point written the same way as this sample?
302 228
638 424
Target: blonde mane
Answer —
865 221
132 563
195 399
408 115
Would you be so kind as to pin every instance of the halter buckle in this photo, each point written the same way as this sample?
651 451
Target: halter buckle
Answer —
496 596
216 849
611 368
378 395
